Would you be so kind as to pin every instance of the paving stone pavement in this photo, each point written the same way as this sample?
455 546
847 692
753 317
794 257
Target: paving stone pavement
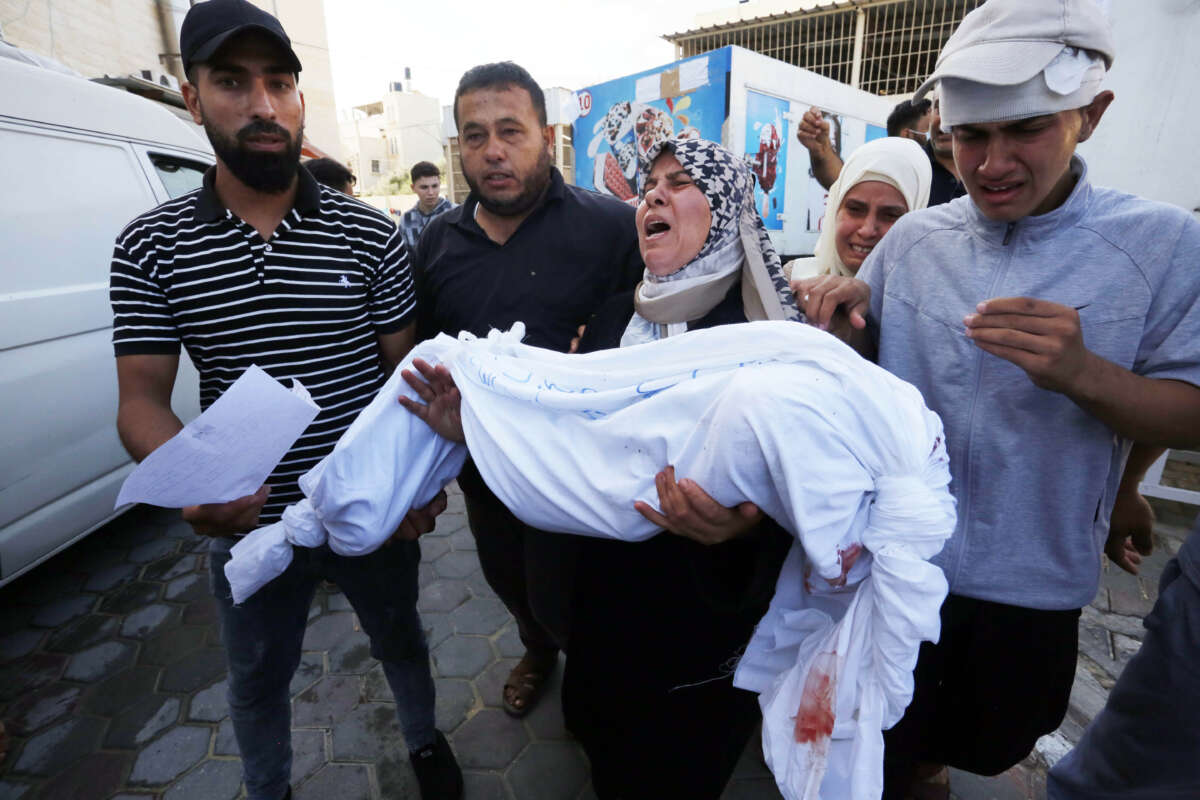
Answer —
112 682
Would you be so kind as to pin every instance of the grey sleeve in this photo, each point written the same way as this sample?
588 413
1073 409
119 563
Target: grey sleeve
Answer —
1170 345
872 273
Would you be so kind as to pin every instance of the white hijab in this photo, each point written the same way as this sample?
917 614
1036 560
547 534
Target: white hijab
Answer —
896 161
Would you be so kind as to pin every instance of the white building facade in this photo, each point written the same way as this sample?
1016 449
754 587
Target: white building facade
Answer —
385 138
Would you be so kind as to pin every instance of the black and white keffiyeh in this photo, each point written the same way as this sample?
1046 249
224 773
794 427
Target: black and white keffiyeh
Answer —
737 246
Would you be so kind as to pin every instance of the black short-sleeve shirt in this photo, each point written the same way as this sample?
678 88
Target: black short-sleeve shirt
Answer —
944 187
570 255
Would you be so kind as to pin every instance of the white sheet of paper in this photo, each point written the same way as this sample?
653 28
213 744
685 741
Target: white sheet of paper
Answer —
228 451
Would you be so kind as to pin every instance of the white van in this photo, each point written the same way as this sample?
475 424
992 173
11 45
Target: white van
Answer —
77 162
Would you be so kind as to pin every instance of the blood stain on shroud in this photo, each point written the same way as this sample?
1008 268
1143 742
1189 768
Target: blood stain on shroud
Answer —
814 718
846 559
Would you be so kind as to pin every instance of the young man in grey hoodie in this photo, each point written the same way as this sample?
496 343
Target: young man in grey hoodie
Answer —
1051 324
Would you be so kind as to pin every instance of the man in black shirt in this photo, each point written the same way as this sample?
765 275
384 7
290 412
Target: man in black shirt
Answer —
523 247
910 120
940 148
813 133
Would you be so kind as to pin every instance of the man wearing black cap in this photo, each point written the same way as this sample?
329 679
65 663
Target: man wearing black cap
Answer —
265 266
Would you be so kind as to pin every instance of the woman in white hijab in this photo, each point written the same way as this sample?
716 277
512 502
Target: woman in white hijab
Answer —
880 182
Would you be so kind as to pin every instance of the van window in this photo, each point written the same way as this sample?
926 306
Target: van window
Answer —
59 232
178 175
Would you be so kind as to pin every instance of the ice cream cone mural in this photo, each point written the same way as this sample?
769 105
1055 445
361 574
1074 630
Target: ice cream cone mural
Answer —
766 163
766 150
622 119
630 130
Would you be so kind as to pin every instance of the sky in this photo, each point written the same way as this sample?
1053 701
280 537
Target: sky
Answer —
566 43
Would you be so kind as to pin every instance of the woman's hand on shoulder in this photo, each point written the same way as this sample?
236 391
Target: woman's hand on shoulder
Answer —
687 510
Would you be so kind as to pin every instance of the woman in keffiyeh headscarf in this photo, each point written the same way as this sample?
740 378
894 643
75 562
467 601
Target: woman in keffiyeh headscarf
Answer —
657 626
880 182
704 245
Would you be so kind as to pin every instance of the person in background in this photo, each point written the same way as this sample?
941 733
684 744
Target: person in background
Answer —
910 120
332 173
946 184
881 181
813 133
257 267
427 184
527 247
1055 328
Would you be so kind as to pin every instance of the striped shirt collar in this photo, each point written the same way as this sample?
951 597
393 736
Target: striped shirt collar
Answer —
209 207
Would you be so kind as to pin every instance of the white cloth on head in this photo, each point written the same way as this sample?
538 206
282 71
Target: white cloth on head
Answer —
898 162
839 452
1071 80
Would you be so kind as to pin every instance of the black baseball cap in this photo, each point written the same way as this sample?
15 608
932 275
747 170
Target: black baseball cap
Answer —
210 24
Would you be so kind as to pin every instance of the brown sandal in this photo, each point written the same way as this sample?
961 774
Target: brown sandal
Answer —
525 683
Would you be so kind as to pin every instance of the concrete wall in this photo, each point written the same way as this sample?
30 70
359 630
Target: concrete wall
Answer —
1146 143
362 144
117 37
304 21
415 122
408 130
93 37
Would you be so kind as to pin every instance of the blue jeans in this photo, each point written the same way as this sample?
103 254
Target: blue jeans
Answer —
263 637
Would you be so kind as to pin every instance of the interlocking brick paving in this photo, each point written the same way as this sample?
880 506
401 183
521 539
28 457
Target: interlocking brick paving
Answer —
112 680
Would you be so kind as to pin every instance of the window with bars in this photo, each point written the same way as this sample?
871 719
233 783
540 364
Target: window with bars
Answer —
900 41
823 43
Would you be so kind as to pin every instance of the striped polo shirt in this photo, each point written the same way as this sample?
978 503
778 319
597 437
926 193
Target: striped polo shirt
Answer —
307 304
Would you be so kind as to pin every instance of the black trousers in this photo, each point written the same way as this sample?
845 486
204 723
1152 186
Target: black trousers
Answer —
524 566
999 678
657 629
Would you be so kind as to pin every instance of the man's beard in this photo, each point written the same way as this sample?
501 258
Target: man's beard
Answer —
945 150
532 188
270 173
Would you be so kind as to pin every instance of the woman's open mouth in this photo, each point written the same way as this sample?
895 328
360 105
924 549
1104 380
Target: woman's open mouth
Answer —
656 228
